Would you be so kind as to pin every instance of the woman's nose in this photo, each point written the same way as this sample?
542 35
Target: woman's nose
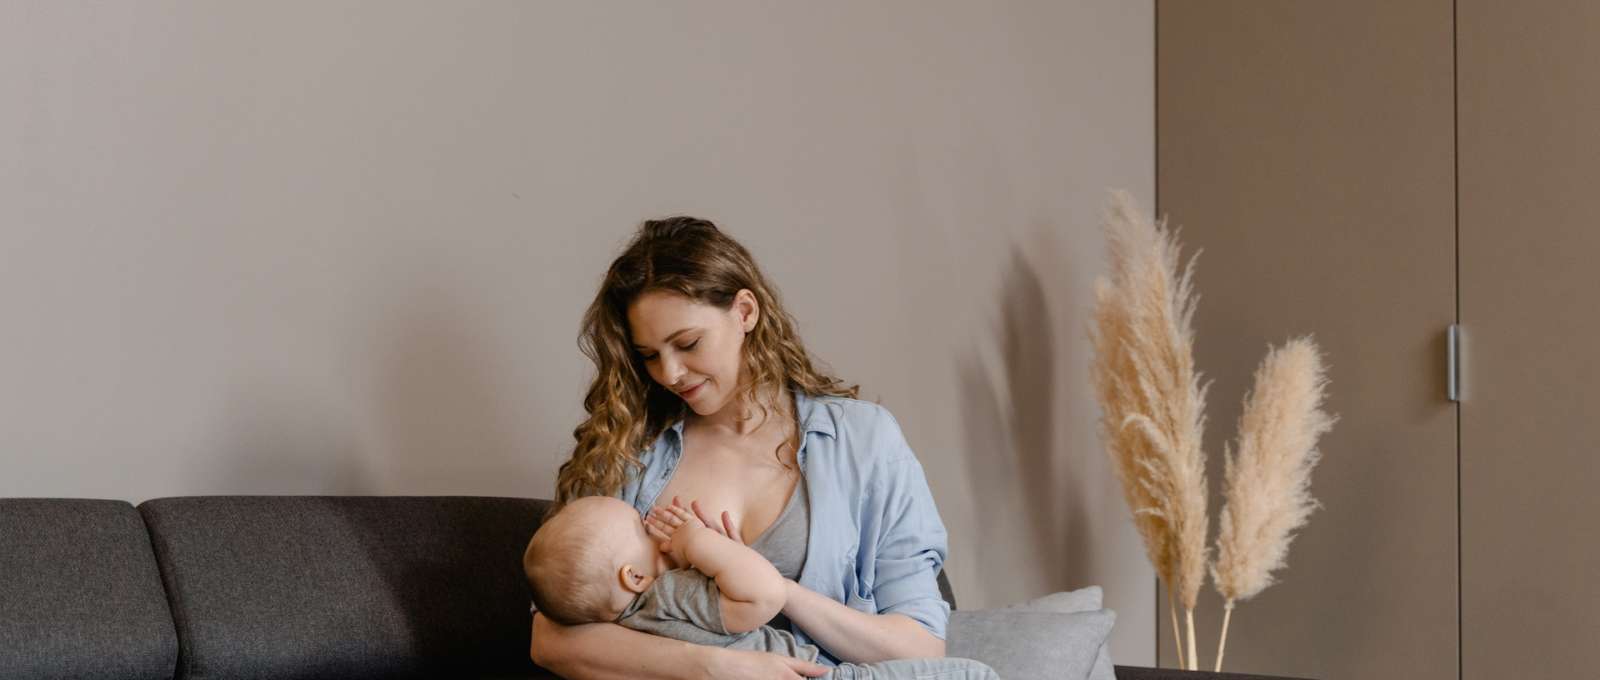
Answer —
671 371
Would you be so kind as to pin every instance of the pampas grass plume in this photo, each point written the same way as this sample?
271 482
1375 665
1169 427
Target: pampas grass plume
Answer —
1267 488
1151 398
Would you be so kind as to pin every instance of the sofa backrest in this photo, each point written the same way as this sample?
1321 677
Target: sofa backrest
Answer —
80 596
346 586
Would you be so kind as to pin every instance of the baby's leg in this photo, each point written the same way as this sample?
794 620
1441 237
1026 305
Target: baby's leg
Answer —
915 669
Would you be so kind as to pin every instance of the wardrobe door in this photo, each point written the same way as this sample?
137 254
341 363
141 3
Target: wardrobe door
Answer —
1308 149
1530 311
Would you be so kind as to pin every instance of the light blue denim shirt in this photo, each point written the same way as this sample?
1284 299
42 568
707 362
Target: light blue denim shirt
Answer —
876 543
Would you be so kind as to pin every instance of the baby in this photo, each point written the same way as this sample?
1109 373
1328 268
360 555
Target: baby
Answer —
596 560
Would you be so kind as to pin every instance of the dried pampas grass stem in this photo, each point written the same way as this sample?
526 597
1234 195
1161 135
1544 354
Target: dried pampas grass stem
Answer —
1267 488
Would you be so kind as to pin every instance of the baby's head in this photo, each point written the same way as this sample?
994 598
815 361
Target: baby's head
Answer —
588 561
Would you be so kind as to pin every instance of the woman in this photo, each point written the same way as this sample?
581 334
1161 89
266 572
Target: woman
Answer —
705 396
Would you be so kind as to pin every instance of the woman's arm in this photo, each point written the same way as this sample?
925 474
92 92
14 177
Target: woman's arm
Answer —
902 547
856 636
589 652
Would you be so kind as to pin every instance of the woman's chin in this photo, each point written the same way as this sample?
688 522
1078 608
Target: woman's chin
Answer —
704 404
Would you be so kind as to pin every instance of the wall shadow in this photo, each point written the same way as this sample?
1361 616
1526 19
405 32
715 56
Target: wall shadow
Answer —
1011 406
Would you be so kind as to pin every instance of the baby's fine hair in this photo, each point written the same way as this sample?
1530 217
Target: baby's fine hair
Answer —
568 567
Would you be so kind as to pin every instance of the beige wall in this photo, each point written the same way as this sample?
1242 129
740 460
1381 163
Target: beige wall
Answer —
310 248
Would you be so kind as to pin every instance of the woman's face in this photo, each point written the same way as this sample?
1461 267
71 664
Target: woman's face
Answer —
692 348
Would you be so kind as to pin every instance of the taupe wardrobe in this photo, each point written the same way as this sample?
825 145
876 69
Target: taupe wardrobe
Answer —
1373 172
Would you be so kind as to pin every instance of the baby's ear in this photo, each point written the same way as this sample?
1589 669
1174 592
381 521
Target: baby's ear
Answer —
632 580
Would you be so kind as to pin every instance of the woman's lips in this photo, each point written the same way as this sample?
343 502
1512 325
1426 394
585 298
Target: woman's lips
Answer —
692 391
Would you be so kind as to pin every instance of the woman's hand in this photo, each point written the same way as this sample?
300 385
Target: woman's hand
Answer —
733 664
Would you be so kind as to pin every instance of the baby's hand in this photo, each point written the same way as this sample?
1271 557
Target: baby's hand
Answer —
664 523
725 527
671 527
673 516
677 515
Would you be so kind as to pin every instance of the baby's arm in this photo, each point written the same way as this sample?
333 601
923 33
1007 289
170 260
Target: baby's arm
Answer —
752 590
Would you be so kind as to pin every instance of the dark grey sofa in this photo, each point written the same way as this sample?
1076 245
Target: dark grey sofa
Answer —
238 587
242 587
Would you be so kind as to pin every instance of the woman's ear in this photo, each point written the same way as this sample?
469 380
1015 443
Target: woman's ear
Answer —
744 302
632 580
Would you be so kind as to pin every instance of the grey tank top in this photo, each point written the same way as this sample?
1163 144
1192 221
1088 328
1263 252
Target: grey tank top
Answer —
784 543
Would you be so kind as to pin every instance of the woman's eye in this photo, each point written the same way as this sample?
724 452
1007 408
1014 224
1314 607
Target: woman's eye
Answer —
684 348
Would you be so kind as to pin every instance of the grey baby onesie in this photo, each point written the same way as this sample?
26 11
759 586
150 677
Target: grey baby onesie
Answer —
682 604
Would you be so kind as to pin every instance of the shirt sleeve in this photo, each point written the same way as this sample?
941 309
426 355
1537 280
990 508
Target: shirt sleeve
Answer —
911 542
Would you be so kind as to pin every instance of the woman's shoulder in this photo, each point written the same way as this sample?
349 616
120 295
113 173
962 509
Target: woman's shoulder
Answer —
854 413
867 428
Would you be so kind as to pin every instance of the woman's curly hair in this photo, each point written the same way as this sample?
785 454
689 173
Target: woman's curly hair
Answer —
627 409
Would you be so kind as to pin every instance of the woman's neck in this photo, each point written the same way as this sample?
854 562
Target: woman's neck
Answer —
747 417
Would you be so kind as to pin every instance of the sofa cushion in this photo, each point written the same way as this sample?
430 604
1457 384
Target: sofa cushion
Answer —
349 587
1031 645
80 596
1081 600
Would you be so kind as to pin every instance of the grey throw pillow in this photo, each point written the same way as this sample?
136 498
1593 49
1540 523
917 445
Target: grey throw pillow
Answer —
1080 600
1031 645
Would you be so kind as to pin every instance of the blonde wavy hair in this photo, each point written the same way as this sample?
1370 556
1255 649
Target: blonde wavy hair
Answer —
627 409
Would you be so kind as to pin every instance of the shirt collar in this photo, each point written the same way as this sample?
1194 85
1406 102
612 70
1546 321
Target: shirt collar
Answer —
813 414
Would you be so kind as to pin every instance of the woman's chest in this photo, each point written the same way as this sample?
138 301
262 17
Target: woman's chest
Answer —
751 489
